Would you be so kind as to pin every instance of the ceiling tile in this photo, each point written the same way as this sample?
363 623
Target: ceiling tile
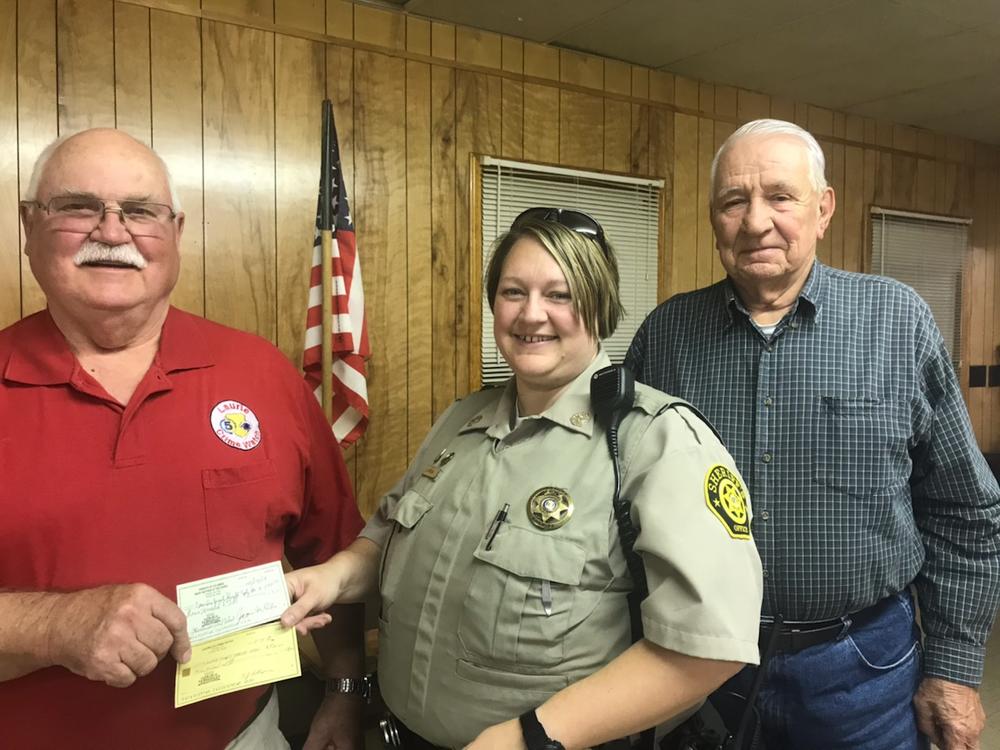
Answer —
969 14
859 30
528 19
931 102
653 32
896 71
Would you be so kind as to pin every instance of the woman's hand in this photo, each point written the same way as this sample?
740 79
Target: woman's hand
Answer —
313 590
347 577
506 736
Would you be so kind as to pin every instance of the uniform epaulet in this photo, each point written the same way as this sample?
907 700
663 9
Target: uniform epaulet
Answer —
680 404
652 401
655 402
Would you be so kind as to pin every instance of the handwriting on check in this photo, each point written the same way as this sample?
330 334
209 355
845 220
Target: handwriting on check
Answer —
225 604
258 656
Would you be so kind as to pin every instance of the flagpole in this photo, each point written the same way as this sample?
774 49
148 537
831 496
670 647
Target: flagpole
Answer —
326 226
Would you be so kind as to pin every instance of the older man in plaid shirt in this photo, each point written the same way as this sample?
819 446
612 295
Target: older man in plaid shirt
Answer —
836 396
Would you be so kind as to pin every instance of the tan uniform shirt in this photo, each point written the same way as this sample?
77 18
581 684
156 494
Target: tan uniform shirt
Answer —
471 636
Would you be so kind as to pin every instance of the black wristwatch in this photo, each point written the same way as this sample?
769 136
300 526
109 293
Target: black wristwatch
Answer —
534 733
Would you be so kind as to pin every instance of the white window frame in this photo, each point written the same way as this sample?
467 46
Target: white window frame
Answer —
628 208
930 253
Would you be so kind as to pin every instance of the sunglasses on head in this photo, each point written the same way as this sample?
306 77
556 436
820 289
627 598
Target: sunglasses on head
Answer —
578 221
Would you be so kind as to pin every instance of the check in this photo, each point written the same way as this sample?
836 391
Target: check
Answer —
258 656
234 601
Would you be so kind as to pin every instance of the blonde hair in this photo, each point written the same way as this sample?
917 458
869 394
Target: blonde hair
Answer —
591 274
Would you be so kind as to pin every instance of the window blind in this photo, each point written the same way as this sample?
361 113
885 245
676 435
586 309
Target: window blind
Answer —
626 207
928 253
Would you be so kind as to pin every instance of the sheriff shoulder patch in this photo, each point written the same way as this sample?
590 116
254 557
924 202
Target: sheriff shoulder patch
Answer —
727 499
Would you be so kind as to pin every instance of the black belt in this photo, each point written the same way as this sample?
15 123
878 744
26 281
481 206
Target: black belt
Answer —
796 636
410 740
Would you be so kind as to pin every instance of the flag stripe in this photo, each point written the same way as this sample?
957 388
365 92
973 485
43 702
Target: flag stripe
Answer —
349 329
344 371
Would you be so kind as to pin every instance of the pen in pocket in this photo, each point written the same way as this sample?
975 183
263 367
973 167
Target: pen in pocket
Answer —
500 517
546 593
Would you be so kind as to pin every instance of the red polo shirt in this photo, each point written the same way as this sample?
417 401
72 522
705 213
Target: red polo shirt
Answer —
221 460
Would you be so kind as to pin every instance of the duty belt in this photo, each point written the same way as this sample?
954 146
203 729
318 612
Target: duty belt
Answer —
792 636
397 736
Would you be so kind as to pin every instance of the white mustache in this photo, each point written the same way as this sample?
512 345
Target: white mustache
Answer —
98 252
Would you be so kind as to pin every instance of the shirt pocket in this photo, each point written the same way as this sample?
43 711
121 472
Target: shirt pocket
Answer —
860 444
406 513
504 619
236 505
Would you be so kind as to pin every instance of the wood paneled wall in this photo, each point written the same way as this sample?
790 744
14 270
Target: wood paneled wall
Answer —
229 92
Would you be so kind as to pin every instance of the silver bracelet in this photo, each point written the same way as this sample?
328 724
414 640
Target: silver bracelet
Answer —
362 686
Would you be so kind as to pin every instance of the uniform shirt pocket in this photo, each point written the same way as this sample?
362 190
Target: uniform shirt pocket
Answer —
410 508
504 620
236 503
406 512
860 444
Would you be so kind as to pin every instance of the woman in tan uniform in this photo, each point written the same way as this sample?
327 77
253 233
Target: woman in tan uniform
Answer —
497 557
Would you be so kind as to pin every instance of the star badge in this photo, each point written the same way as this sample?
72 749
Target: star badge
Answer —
550 508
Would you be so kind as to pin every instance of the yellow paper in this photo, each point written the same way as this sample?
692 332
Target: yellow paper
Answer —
258 656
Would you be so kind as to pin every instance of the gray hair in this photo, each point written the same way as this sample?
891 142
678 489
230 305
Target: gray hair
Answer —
814 152
43 160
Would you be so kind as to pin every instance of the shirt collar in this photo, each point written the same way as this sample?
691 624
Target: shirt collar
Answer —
812 294
814 291
571 410
40 354
183 345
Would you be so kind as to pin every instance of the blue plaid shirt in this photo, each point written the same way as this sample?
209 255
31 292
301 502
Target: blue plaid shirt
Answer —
849 427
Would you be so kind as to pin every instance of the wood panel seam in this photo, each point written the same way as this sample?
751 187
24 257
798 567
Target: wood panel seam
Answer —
523 78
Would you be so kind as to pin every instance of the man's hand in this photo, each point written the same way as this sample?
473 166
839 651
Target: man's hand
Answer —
337 724
115 634
951 715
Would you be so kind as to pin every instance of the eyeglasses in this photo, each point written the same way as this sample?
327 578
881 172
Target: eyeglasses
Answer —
77 213
578 221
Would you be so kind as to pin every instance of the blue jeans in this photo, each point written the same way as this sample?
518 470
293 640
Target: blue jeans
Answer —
855 693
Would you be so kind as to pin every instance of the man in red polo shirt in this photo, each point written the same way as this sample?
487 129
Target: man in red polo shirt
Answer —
142 447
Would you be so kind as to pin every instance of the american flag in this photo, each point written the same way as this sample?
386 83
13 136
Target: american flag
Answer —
349 329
